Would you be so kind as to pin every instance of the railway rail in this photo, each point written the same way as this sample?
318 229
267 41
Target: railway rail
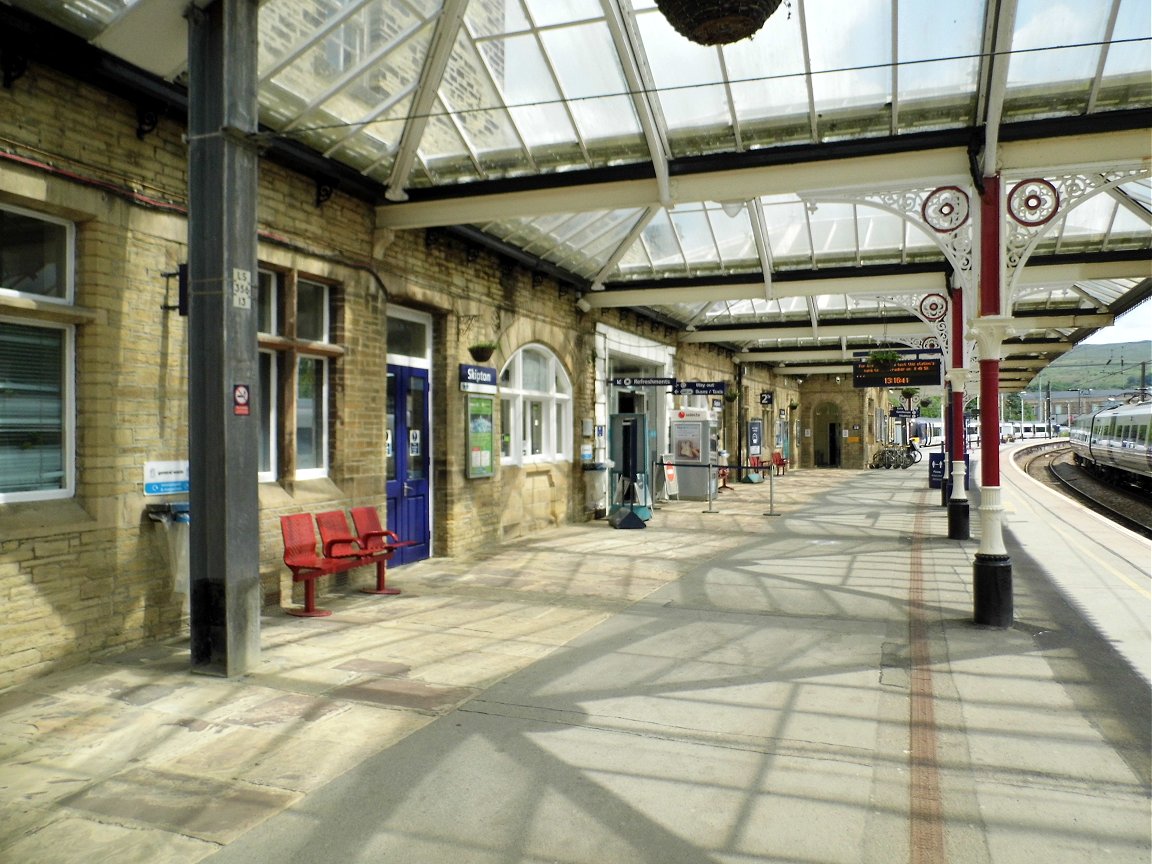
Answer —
1051 463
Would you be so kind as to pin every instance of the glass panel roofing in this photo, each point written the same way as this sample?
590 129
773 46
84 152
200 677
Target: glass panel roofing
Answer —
640 147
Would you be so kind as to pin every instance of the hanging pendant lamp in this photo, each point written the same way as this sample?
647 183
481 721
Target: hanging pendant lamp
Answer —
717 22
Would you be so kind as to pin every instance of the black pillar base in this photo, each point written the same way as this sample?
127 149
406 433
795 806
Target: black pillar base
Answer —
992 590
958 520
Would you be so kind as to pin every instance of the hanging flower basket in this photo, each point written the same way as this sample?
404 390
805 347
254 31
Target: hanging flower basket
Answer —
482 351
731 395
717 22
884 359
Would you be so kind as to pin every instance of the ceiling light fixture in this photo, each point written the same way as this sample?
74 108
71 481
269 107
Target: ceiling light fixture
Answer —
717 22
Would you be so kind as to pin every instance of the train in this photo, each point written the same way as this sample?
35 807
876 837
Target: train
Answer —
930 430
1116 443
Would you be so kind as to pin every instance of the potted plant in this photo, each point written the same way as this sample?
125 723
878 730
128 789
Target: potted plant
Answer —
731 395
482 351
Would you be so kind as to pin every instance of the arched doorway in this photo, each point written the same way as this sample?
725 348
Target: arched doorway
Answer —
826 431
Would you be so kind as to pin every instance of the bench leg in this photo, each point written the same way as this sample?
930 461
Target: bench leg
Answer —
309 609
381 575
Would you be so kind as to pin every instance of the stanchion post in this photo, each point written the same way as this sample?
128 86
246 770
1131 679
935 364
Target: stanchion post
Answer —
708 485
771 491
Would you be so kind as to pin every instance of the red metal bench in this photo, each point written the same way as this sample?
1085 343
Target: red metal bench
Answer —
780 462
300 557
340 550
379 542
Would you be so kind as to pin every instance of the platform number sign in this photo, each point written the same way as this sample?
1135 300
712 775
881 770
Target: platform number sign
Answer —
765 397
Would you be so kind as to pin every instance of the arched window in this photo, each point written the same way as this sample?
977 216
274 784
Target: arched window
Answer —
535 408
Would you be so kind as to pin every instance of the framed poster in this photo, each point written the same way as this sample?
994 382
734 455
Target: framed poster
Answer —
481 439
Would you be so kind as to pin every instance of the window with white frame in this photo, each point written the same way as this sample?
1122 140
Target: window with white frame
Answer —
37 358
296 355
535 408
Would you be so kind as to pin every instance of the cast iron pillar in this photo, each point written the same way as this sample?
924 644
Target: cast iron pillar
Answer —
992 570
958 509
223 413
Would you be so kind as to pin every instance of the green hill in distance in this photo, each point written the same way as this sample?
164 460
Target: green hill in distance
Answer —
1101 367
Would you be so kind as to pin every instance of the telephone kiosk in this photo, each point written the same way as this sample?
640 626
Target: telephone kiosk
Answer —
628 444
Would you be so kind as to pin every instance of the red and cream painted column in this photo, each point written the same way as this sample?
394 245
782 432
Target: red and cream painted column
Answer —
956 378
992 570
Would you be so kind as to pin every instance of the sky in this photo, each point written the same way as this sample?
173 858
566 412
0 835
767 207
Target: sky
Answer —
1134 326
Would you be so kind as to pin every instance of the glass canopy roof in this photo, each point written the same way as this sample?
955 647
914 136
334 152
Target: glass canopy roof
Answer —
473 101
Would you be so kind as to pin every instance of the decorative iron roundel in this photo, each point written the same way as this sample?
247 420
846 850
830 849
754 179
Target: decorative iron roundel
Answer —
946 209
1033 202
933 307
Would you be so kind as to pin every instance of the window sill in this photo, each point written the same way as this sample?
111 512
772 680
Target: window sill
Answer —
40 310
25 520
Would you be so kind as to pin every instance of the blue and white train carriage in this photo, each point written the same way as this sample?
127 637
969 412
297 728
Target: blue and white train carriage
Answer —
1116 442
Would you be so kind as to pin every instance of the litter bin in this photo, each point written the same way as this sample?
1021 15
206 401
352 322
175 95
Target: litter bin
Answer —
596 488
175 518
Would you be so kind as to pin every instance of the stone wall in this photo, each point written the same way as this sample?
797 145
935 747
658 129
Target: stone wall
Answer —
88 574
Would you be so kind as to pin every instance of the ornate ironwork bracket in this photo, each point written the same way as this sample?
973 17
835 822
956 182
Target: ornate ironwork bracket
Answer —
944 215
1039 204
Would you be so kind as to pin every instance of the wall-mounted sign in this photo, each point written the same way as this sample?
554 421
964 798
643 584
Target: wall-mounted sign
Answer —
478 379
241 400
698 388
481 438
643 382
166 478
765 397
755 436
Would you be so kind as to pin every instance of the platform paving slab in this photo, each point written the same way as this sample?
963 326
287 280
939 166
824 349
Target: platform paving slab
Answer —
719 687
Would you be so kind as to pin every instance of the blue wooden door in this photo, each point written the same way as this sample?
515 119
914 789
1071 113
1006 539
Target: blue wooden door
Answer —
408 460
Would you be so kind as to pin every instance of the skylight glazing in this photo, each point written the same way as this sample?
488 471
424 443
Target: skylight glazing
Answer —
423 93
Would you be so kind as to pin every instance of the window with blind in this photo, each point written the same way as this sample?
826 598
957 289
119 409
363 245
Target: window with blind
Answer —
36 360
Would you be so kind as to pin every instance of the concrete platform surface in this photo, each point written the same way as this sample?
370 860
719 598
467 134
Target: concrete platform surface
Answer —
787 675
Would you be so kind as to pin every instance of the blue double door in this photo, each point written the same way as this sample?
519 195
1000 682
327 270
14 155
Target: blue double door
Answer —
408 461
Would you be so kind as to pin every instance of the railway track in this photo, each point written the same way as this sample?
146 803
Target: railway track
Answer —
1051 464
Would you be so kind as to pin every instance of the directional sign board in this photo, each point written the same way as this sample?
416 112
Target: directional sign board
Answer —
698 388
643 382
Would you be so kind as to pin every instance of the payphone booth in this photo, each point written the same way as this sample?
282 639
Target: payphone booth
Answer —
628 444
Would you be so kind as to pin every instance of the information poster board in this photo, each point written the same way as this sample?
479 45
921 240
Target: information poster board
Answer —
688 441
755 437
481 436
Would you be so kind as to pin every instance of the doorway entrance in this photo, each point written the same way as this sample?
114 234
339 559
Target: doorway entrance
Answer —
826 433
408 435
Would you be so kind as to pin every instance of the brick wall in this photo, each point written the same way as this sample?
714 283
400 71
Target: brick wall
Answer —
88 574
